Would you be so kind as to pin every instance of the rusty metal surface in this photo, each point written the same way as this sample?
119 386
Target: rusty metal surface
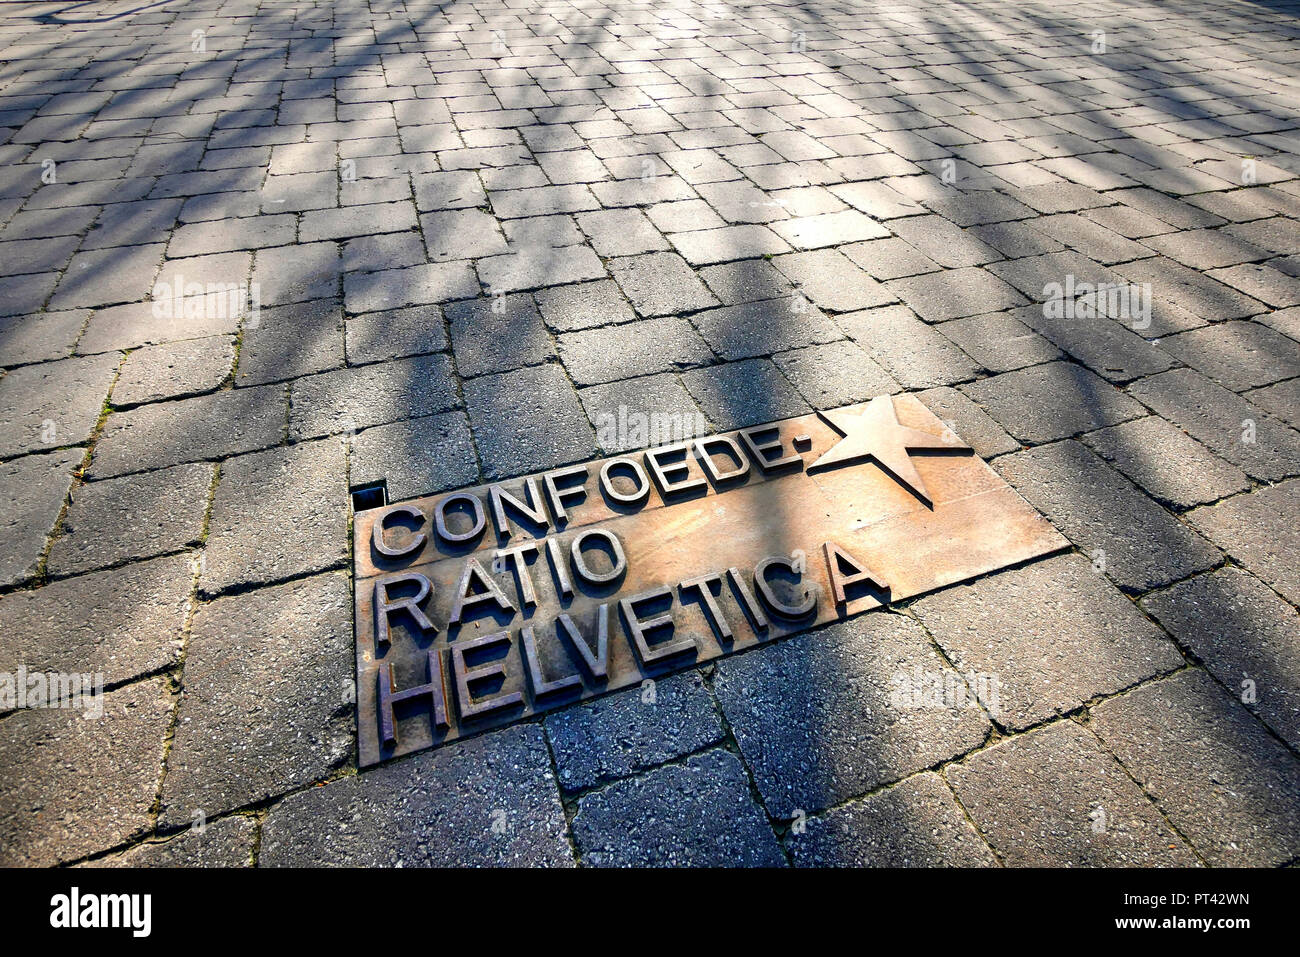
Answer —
478 607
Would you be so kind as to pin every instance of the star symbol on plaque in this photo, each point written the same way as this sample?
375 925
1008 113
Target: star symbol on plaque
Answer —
875 433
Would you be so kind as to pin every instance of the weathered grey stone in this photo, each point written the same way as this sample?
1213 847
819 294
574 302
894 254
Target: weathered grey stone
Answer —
1052 401
40 337
955 293
47 813
1130 539
746 281
409 286
619 735
566 308
1237 355
497 334
224 843
999 341
276 514
1258 530
1242 433
267 704
835 374
137 516
32 492
817 719
661 284
174 370
600 355
1282 400
123 623
505 811
395 334
946 244
54 403
350 399
913 824
695 814
738 394
915 354
292 341
972 424
1246 636
642 413
527 420
1054 798
534 268
1211 767
416 457
1166 462
1053 634
832 281
189 430
761 328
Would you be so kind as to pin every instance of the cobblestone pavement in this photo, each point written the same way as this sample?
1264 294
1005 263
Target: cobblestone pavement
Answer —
473 228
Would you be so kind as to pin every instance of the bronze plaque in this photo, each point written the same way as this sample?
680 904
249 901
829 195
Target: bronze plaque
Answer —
479 607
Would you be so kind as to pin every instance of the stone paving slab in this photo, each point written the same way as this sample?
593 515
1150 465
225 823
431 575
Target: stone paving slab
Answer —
425 261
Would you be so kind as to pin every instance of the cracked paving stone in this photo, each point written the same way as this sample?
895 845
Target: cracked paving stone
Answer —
133 517
395 334
1245 635
266 705
972 424
660 284
506 811
122 623
915 354
1000 342
695 814
913 824
32 491
138 324
1052 401
535 268
1211 767
497 334
594 356
762 328
623 734
409 286
1166 462
224 843
53 403
746 281
276 514
1130 538
48 815
1242 433
346 400
581 306
291 341
1258 530
103 277
527 420
832 281
954 294
421 456
818 719
1055 798
739 394
641 413
1052 635
1282 400
189 430
174 370
835 374
1237 355
40 337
